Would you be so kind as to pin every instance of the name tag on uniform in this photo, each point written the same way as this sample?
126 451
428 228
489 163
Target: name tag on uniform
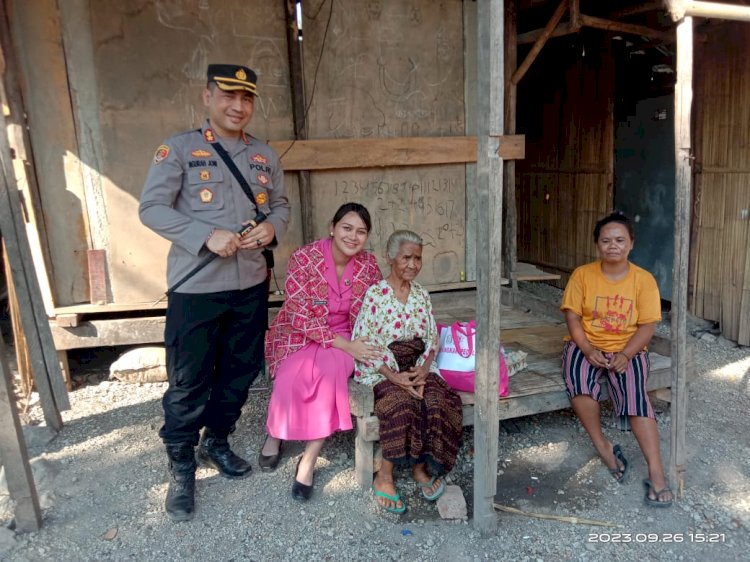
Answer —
315 303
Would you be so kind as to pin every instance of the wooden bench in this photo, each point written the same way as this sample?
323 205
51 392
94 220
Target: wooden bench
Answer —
538 388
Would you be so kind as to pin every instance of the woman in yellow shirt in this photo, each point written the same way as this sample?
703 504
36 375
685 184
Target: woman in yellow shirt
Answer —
611 307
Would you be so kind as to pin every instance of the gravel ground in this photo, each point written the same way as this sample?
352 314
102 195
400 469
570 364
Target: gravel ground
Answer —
102 484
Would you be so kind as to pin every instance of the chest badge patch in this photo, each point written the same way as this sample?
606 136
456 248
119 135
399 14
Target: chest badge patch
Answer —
259 158
261 198
201 153
161 154
262 179
209 136
204 175
206 195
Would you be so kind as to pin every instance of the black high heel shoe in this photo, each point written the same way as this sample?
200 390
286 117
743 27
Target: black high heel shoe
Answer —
268 463
301 492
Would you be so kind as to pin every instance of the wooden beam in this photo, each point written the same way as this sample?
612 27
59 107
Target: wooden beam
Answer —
628 28
490 109
101 333
575 15
97 262
537 48
28 515
531 36
338 154
716 10
296 82
683 197
510 217
637 9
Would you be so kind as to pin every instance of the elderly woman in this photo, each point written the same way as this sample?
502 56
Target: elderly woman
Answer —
309 347
611 307
420 416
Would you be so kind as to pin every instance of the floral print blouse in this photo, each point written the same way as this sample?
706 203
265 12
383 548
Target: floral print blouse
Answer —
384 319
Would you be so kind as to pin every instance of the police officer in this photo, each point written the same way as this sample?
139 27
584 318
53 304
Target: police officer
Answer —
216 320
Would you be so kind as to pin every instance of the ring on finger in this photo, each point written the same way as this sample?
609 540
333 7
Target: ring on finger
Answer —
258 242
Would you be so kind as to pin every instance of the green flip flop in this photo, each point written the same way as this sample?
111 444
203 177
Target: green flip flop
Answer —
395 499
436 495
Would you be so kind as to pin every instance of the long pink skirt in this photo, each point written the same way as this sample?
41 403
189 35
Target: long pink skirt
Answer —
310 398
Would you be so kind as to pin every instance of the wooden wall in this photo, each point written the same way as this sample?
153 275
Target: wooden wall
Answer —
720 265
564 185
106 82
391 69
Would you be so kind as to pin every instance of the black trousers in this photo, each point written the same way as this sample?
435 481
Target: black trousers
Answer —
214 352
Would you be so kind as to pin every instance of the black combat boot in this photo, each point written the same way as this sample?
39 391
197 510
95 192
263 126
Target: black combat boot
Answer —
214 452
180 503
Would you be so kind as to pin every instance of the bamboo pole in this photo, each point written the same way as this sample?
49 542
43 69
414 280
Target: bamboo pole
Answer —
490 109
716 10
539 44
683 188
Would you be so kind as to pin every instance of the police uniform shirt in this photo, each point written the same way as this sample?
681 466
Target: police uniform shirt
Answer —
189 192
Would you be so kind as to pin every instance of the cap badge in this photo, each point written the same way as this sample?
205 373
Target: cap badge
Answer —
240 74
209 136
259 158
261 198
263 179
206 195
201 153
161 153
204 175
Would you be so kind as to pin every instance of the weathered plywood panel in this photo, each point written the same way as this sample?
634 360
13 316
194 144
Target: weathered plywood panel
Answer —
150 65
391 68
429 200
42 68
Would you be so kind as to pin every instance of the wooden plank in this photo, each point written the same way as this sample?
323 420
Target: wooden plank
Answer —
561 30
98 333
68 320
490 116
540 42
512 147
683 185
528 272
49 381
97 262
28 515
363 452
337 154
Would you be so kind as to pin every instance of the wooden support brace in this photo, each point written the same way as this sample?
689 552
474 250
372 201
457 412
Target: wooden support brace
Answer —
14 455
539 44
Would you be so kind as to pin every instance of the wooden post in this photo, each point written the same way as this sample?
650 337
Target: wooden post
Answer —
13 453
575 15
49 380
683 197
510 217
300 115
490 108
537 48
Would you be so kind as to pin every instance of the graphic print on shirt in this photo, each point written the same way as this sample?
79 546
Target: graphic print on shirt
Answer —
612 313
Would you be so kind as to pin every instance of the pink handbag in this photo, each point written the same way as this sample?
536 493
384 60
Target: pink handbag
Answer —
457 358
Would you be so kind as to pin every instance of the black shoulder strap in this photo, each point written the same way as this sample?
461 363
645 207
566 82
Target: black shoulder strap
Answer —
235 172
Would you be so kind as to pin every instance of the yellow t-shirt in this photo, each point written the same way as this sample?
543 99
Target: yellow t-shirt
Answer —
611 311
